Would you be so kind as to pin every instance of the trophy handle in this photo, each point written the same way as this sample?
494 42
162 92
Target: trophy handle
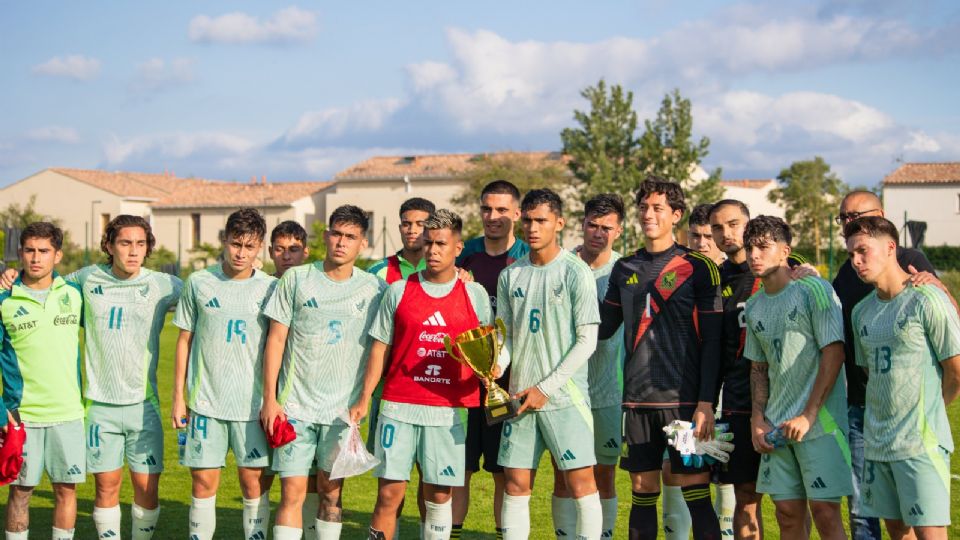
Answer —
448 344
501 336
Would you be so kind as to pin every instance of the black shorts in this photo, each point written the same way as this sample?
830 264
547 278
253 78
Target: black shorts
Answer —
482 440
744 460
645 440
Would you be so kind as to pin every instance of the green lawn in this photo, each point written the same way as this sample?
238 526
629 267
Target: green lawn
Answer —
359 496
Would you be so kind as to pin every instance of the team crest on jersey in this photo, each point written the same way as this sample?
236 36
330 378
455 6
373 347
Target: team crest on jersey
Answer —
901 324
793 314
558 291
65 304
144 291
361 304
668 281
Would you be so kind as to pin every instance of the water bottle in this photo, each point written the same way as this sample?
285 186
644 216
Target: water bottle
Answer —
182 439
776 438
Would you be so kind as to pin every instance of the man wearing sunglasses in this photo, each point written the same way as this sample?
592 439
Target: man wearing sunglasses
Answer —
851 289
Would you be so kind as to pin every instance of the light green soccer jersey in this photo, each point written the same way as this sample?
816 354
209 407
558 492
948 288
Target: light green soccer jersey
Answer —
901 342
787 330
225 375
605 367
382 331
124 318
328 342
542 306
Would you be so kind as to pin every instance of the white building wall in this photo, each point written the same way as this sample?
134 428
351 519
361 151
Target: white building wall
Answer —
756 199
936 204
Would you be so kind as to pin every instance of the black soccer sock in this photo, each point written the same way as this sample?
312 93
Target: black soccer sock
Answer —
455 531
706 526
375 534
643 516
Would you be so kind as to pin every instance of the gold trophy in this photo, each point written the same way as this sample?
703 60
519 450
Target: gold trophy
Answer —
479 349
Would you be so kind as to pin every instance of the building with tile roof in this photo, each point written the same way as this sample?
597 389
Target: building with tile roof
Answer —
927 192
755 194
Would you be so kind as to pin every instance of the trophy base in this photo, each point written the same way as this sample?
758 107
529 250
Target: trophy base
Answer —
501 411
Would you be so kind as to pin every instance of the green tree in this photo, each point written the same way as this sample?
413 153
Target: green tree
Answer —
316 243
810 192
204 253
667 149
522 170
15 215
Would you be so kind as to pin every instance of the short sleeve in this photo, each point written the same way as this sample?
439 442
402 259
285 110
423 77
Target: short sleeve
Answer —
826 315
859 353
185 317
280 307
481 302
583 289
707 286
382 327
940 322
504 308
174 290
752 349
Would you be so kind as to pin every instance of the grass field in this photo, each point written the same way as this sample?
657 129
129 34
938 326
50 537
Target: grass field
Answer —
359 495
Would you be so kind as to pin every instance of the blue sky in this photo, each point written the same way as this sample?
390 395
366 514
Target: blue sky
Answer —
300 91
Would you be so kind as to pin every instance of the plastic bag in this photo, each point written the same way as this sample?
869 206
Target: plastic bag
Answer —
352 458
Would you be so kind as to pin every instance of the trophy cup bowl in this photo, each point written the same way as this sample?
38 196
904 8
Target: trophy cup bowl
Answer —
479 349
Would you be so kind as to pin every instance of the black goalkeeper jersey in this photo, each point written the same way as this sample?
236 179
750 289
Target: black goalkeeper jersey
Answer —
670 306
737 285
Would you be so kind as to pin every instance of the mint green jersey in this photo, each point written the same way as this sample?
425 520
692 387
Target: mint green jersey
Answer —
40 352
328 342
124 318
605 367
542 306
787 331
901 343
382 331
225 371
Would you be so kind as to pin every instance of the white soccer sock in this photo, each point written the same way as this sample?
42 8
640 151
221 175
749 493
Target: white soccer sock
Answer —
589 517
564 512
328 530
422 525
62 534
439 521
309 513
515 517
256 517
24 535
203 518
725 504
609 507
282 532
676 516
144 521
107 521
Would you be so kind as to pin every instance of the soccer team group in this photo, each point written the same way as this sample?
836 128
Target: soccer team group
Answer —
830 390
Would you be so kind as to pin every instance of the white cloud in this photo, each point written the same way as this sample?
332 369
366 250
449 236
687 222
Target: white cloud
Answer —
922 143
157 74
289 25
177 146
74 66
54 134
328 124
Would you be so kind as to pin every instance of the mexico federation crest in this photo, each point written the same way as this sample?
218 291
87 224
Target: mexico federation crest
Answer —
668 281
65 304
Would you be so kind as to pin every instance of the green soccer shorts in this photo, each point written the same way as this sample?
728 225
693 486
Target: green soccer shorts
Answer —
56 449
115 431
915 490
439 450
815 469
606 434
208 440
315 444
567 433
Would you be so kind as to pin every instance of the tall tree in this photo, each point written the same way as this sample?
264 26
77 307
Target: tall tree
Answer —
810 192
667 149
526 171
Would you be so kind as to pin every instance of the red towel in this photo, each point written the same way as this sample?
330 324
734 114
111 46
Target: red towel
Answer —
11 453
283 433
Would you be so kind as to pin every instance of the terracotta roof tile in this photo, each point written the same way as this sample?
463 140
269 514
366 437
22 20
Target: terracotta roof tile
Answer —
127 184
747 183
213 194
925 173
433 166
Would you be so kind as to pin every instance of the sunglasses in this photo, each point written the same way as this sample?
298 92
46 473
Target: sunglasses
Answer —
843 219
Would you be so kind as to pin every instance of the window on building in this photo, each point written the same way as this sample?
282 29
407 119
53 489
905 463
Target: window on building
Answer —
195 230
104 221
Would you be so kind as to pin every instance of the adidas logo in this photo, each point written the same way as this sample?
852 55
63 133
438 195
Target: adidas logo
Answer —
213 303
254 454
863 331
560 533
448 471
21 311
612 444
818 483
193 536
259 535
666 529
567 455
435 320
759 327
149 461
108 534
74 470
915 510
518 293
607 534
633 279
148 529
97 290
727 291
312 302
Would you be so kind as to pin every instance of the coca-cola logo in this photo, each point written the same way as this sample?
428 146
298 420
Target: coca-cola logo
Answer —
432 338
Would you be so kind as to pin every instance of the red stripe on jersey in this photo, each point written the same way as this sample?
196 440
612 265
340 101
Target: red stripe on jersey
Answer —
394 273
673 275
646 319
